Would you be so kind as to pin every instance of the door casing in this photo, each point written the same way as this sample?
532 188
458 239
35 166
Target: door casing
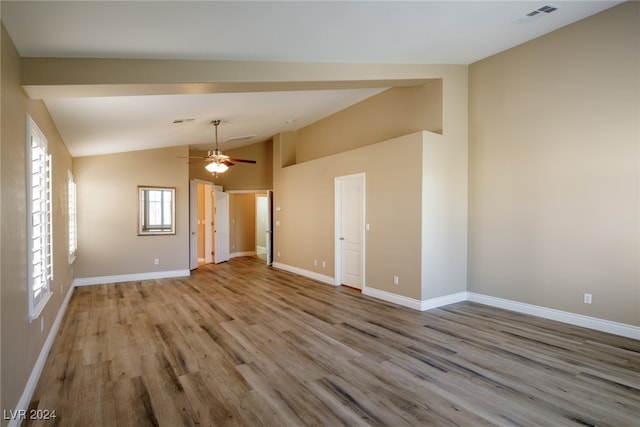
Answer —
339 244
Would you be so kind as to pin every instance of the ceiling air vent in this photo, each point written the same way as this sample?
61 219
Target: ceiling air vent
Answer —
240 138
535 14
182 121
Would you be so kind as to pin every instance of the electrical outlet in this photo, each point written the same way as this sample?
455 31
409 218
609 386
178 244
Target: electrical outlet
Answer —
315 262
324 264
156 261
396 280
588 298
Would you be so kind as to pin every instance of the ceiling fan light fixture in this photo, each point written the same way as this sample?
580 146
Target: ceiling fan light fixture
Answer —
215 167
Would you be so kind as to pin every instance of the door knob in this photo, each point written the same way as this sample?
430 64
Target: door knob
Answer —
342 238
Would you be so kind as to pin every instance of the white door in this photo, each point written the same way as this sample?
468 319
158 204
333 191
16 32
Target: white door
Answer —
193 225
269 227
208 223
350 230
221 251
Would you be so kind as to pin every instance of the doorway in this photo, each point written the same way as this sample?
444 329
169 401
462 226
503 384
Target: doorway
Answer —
264 232
208 224
350 230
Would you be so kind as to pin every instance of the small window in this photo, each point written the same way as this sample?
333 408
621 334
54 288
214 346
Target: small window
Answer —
39 219
156 210
73 224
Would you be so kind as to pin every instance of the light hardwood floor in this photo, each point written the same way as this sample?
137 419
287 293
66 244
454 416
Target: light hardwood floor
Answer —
243 344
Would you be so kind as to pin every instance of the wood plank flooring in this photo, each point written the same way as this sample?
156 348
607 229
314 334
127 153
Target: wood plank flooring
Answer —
241 344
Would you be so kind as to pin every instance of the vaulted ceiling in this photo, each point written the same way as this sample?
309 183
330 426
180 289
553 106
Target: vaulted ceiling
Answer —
360 32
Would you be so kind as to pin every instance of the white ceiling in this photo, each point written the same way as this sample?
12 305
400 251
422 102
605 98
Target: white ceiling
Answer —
413 32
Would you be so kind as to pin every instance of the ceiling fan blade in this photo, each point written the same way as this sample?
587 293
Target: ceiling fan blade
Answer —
200 159
226 162
243 161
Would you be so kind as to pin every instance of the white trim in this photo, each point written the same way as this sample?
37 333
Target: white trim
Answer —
393 298
248 191
99 280
436 302
306 273
237 254
616 328
602 325
32 382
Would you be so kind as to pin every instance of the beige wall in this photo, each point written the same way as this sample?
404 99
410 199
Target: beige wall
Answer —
2 31
108 243
397 243
242 222
554 169
22 340
396 111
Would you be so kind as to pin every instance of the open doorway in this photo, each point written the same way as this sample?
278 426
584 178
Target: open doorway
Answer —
201 223
264 226
208 224
261 226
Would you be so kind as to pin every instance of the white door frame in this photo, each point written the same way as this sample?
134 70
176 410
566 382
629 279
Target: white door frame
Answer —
338 226
269 227
222 237
208 222
193 223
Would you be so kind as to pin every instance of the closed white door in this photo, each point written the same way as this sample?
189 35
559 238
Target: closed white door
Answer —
269 232
350 230
193 225
208 222
221 251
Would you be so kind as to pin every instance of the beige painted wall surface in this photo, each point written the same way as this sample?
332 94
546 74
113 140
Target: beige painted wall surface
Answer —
394 112
108 213
444 216
1 38
241 176
22 340
242 222
554 169
305 195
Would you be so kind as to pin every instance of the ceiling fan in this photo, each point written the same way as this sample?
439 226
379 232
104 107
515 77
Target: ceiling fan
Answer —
218 162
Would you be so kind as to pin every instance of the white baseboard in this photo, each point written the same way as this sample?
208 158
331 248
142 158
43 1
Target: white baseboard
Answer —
306 273
430 303
32 382
414 303
237 254
393 298
99 280
602 325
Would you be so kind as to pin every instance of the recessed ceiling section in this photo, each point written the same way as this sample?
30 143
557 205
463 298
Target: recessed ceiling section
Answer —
104 125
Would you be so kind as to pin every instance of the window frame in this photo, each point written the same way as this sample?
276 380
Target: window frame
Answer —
39 222
144 209
72 205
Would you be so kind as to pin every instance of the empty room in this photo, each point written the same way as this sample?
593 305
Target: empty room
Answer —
320 213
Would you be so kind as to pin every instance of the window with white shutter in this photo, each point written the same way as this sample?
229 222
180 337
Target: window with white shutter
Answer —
39 218
73 225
